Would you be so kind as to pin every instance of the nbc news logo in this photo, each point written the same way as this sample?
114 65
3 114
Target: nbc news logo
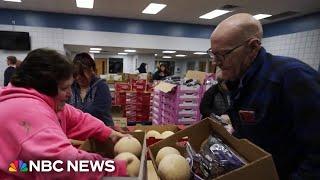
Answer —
18 165
57 166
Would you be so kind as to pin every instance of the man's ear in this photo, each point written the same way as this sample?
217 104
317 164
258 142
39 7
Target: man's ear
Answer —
254 44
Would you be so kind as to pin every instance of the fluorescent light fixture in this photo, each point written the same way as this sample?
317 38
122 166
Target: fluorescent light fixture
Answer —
169 52
85 4
166 57
153 8
200 53
13 0
214 14
121 53
95 49
130 50
181 55
261 16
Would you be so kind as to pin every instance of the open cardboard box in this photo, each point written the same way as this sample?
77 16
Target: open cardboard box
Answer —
106 150
259 163
159 128
198 75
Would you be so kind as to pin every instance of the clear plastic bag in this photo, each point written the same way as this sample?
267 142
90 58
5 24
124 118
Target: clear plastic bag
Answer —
214 159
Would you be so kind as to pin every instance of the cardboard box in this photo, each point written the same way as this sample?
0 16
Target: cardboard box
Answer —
152 174
128 77
164 87
159 128
198 75
120 121
106 150
260 164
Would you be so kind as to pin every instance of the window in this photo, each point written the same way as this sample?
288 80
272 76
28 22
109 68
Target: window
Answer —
115 65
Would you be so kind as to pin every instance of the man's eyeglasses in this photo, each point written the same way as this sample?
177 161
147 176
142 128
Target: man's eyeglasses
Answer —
221 57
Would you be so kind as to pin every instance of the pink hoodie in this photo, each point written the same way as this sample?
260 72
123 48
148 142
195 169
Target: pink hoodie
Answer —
30 129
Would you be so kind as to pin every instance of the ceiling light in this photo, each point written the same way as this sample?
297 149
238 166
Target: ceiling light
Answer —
153 8
166 57
130 50
181 55
13 0
200 53
121 53
85 3
261 16
169 52
155 54
95 49
214 14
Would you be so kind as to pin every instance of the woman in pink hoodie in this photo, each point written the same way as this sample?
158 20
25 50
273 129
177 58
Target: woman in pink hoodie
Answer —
36 123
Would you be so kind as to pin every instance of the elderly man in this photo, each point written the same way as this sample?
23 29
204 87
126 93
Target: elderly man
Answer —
276 103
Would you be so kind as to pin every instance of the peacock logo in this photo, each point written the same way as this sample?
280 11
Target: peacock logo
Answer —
18 165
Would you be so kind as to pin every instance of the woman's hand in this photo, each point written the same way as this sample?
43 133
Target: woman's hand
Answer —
115 136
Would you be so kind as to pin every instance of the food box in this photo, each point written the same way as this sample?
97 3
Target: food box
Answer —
259 163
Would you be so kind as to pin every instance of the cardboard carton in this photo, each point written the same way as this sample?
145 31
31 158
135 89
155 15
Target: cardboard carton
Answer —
164 87
198 75
152 174
120 121
106 150
159 128
260 164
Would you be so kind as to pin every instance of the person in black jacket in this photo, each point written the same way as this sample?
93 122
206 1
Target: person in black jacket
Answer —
215 100
142 68
161 73
90 93
11 61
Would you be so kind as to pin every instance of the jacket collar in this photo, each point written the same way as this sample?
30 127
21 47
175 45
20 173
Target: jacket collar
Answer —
254 68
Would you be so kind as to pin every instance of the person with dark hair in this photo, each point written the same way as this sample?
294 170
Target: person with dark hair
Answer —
36 122
161 73
11 61
216 99
90 93
142 68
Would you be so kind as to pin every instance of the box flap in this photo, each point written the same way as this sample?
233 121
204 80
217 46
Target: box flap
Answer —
198 75
165 87
159 128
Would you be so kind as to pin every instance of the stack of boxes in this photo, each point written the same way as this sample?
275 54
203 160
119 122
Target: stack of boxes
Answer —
156 104
179 106
137 107
135 99
120 93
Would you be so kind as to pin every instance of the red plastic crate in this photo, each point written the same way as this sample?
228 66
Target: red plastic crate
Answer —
138 87
122 87
120 98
